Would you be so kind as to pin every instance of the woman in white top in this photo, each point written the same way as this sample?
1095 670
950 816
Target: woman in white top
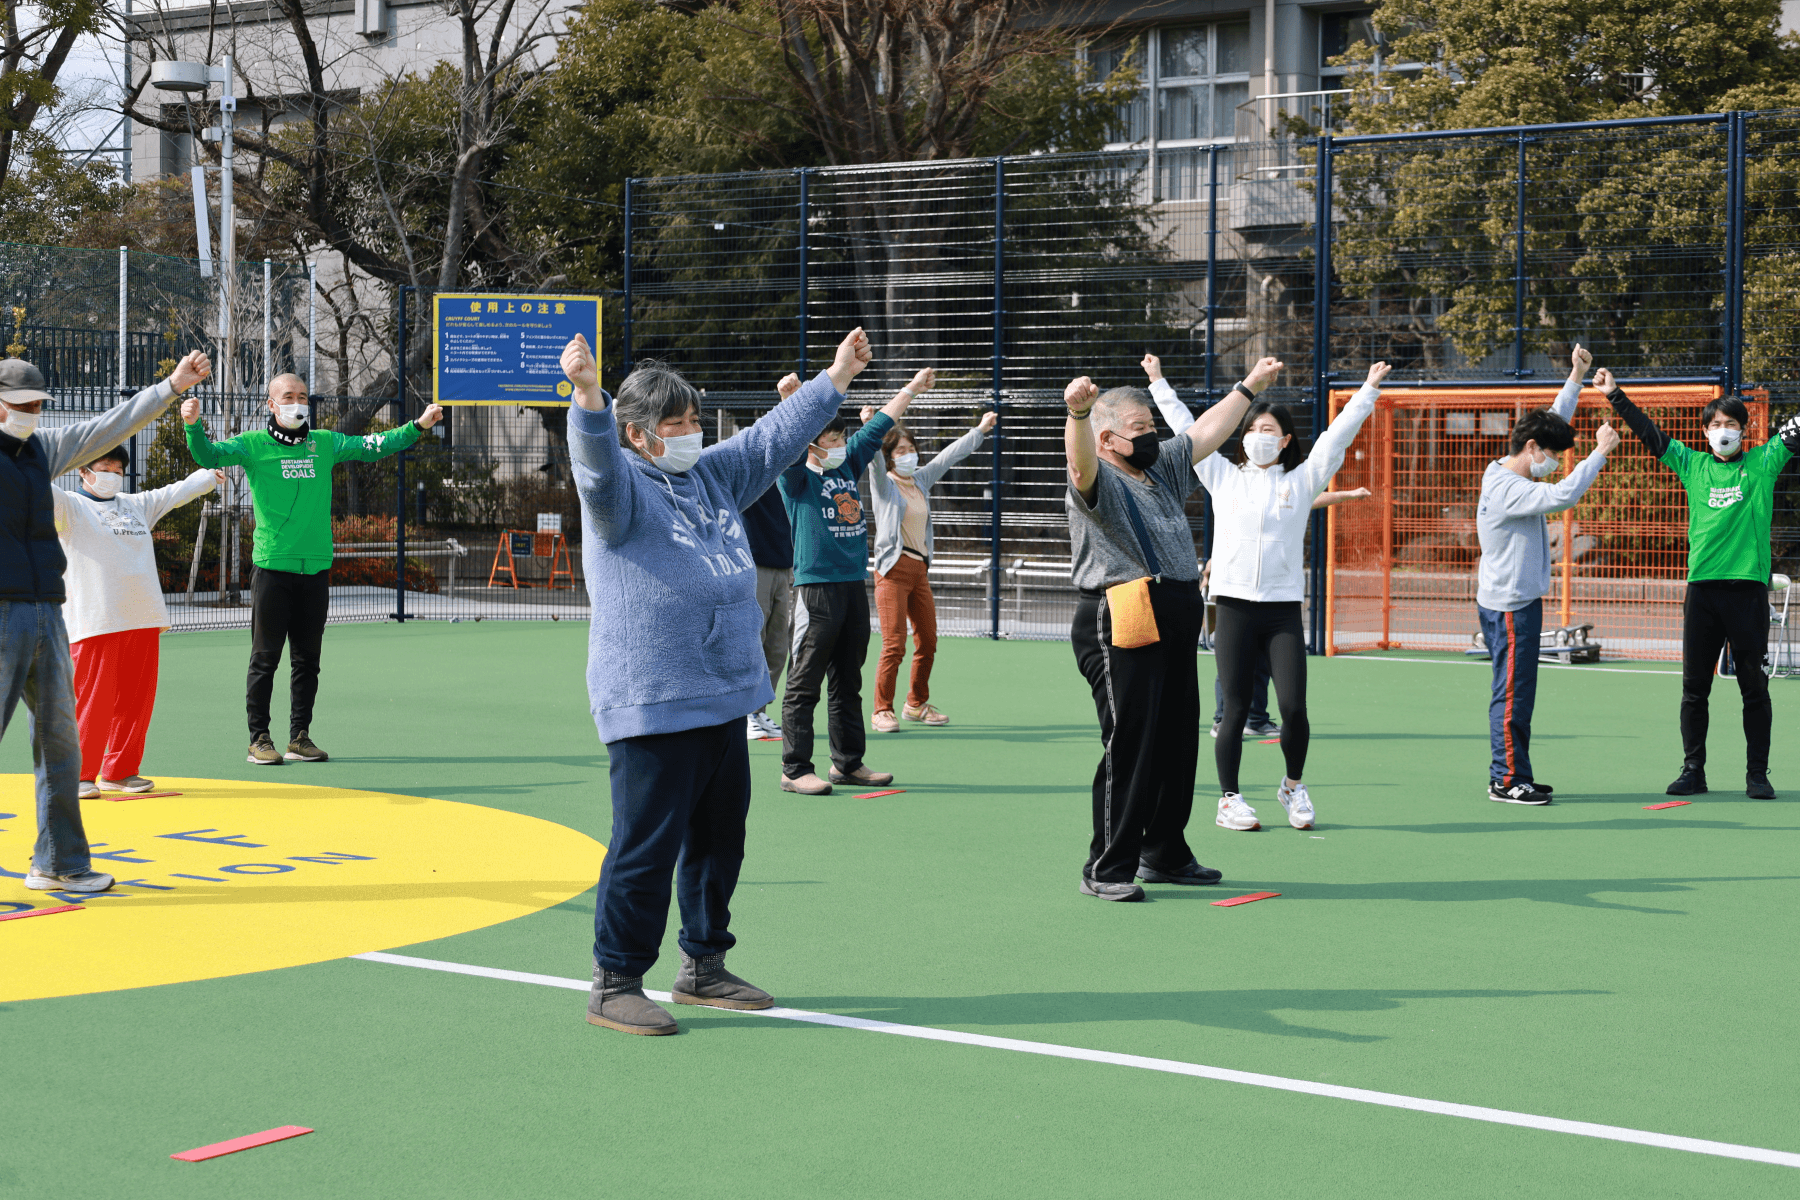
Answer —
900 486
1262 504
115 613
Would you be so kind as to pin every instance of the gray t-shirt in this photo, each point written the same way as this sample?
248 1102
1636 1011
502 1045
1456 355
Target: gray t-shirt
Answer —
1104 546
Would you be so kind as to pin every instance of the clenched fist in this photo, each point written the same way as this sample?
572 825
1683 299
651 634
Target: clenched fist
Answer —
1080 396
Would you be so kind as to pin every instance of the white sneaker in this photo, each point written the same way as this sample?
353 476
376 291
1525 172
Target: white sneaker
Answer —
1297 803
752 729
762 727
134 783
87 790
1235 814
86 881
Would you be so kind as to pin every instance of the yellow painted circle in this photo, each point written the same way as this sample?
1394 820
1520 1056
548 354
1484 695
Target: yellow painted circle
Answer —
232 877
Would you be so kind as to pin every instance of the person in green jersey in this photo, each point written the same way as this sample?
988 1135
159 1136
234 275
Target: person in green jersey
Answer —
288 466
1731 498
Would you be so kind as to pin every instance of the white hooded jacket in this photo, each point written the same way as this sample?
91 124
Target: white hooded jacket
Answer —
1259 543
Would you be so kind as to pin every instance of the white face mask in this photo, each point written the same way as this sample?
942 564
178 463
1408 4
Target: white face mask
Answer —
905 465
291 416
1724 441
834 458
1543 467
679 453
1262 448
20 424
103 485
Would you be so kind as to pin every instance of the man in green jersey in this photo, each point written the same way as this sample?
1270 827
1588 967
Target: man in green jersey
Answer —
1731 496
288 466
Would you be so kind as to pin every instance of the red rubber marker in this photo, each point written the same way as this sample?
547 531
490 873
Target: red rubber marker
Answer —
249 1142
1669 804
1235 900
41 912
873 795
1271 742
139 796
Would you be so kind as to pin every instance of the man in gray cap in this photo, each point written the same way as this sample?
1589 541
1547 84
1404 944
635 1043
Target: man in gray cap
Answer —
34 646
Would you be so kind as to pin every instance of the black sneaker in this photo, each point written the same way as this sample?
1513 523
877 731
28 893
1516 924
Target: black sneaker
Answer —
1757 785
1691 782
1540 786
1518 793
1261 729
1193 873
1110 891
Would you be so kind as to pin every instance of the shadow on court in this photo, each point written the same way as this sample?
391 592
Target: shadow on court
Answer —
1247 1010
1616 825
1580 893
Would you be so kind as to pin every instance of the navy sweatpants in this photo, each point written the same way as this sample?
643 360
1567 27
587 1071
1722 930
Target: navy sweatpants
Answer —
679 804
1512 641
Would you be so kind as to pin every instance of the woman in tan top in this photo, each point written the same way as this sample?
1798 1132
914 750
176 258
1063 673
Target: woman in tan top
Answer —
900 487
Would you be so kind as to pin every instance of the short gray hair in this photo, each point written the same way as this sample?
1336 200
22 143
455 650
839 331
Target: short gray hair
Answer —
1110 409
650 395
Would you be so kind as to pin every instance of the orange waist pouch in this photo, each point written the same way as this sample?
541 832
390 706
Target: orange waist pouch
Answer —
1133 620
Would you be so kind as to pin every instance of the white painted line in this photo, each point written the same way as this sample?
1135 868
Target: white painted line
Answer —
1472 1112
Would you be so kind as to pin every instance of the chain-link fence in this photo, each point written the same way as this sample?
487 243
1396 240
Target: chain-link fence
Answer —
1473 259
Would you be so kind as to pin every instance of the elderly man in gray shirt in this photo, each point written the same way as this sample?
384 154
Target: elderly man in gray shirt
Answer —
1515 572
1128 530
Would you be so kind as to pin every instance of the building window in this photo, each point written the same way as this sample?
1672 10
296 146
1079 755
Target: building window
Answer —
1198 74
1341 30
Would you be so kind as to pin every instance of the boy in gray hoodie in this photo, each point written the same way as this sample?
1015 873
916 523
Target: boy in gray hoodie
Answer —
675 662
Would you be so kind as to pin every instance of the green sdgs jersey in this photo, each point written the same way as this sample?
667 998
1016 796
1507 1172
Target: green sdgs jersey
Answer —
1730 509
291 486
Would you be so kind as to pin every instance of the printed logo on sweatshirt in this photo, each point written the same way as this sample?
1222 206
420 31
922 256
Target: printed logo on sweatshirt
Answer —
299 468
1725 497
843 510
123 523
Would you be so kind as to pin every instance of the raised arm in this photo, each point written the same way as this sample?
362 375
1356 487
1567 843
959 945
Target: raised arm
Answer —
1635 418
206 452
1329 448
1580 359
1540 499
752 459
1176 413
158 502
603 478
940 464
73 445
1219 422
1078 437
879 483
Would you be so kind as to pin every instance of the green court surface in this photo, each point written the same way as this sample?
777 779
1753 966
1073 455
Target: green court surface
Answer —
1592 961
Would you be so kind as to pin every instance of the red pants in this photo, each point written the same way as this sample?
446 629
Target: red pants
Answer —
115 692
905 592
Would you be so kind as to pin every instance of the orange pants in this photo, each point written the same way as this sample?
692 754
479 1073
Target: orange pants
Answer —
115 692
905 592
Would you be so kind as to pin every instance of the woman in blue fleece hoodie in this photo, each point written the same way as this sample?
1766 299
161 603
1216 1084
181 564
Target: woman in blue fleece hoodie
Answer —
675 662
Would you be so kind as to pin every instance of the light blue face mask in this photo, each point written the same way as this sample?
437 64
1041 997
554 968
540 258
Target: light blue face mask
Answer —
679 453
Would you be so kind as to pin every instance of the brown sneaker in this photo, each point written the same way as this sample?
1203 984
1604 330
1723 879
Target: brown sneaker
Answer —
806 785
863 776
885 721
925 714
263 752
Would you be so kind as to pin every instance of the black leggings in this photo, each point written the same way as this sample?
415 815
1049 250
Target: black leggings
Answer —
1247 630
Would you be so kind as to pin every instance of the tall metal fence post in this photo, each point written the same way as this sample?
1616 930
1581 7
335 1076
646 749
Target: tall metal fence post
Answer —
124 351
400 470
805 213
1736 152
1519 371
994 506
626 369
1321 367
1212 318
268 323
312 346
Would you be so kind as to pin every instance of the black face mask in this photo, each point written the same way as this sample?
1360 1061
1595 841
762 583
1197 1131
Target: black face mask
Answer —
1144 451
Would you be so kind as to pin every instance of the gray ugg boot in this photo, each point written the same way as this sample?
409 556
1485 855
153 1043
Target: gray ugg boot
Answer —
705 980
618 1002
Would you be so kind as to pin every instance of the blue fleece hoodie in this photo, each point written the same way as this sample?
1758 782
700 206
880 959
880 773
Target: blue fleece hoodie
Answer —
675 641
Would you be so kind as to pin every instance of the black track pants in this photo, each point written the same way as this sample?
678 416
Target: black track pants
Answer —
1714 614
1148 701
1247 632
831 642
286 608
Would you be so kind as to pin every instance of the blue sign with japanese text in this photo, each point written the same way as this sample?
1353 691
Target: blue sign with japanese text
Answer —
506 349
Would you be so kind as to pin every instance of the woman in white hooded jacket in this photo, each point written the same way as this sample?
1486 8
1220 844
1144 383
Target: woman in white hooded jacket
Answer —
1262 503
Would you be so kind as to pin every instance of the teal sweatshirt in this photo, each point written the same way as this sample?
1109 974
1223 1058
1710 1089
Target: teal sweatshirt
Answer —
831 531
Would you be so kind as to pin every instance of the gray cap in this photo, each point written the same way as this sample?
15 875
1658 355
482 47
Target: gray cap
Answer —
21 383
